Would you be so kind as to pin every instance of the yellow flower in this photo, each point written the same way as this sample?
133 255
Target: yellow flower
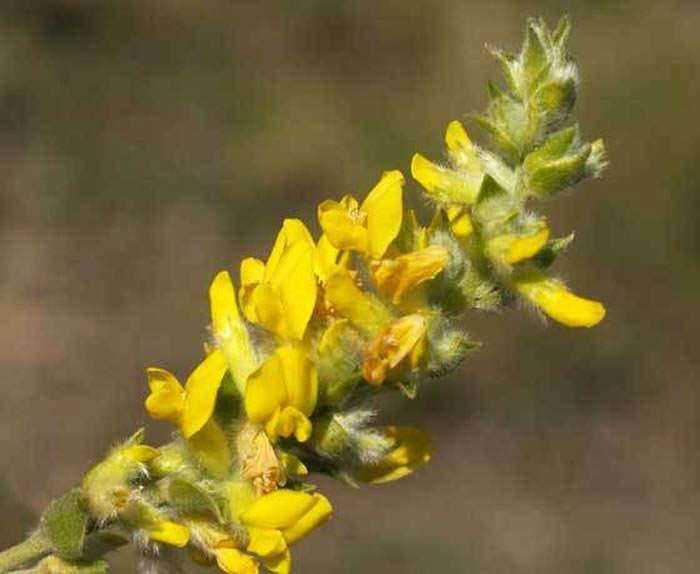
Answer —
229 330
347 300
281 394
401 341
280 295
328 259
558 302
447 185
233 561
411 450
394 277
169 532
368 228
191 408
511 248
213 540
278 519
460 221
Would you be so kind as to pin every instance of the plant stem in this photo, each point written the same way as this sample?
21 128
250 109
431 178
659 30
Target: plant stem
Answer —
31 550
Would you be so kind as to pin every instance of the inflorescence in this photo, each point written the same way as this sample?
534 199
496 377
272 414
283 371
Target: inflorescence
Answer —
324 325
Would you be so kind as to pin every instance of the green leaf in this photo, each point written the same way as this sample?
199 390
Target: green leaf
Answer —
499 137
190 499
553 176
534 53
561 34
65 524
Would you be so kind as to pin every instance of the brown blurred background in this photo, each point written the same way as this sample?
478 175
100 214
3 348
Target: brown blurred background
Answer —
145 144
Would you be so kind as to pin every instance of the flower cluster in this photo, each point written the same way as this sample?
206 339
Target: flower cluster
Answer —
370 305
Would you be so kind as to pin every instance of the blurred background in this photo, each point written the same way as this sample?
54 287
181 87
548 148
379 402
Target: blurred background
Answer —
146 144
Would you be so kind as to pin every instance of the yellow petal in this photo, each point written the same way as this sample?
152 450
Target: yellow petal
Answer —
167 398
252 272
460 148
280 563
412 449
266 390
233 561
460 221
396 276
445 185
456 137
325 258
296 284
300 377
269 311
211 448
391 346
289 421
170 533
201 389
343 224
319 513
265 541
521 248
229 330
384 209
559 303
278 510
292 233
349 301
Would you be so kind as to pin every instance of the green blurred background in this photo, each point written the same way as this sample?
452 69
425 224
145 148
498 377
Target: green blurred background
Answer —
145 144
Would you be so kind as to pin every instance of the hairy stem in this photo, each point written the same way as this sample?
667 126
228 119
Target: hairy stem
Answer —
31 550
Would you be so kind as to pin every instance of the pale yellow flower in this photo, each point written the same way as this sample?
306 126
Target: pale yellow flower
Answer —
280 295
368 228
281 394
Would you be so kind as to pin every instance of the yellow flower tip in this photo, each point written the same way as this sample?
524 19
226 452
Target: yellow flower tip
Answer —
233 561
460 221
392 345
170 533
167 398
292 512
394 277
349 301
282 393
318 514
201 389
222 300
280 295
289 421
557 302
456 137
279 563
425 172
265 542
344 224
411 451
384 208
526 247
